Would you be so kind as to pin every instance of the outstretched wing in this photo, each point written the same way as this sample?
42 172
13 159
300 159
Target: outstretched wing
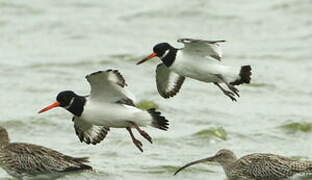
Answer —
168 83
88 133
202 47
108 86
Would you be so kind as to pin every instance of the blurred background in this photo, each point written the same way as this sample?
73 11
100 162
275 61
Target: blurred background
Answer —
49 46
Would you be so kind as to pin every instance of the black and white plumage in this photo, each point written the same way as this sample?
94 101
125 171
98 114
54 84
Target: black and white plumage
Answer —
256 166
168 82
200 60
29 161
109 105
88 133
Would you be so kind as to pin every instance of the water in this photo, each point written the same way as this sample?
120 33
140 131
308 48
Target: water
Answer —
49 46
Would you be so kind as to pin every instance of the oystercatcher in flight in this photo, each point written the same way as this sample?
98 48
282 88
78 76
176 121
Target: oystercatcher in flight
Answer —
109 105
200 60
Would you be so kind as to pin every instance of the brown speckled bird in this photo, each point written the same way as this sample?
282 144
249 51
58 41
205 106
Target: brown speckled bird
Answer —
28 161
256 166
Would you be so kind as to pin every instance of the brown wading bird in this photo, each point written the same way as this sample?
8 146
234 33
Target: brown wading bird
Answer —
256 166
29 161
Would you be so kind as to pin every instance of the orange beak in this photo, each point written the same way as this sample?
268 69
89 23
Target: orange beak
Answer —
147 58
56 104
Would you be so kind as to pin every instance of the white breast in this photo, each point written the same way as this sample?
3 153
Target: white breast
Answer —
114 115
201 68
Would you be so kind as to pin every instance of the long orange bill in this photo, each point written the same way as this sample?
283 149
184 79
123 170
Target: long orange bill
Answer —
192 163
147 58
56 104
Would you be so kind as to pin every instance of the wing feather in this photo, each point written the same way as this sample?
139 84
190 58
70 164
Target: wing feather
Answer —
268 166
88 133
108 86
203 47
168 83
35 160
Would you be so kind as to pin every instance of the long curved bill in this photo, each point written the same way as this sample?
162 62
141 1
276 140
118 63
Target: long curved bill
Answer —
147 58
56 104
194 162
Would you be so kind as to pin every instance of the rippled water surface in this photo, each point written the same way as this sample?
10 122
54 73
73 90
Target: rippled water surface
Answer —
49 46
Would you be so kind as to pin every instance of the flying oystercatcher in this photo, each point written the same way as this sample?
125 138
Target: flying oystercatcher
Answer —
200 60
29 161
109 105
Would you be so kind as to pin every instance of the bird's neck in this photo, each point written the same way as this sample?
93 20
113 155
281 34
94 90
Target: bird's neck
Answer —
76 108
4 141
169 58
228 166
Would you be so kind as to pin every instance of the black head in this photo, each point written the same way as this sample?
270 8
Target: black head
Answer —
68 100
164 51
